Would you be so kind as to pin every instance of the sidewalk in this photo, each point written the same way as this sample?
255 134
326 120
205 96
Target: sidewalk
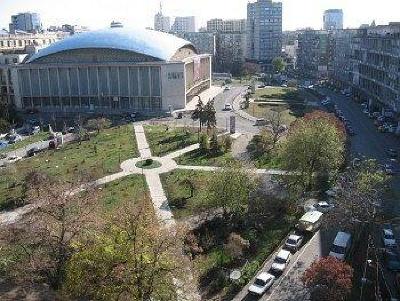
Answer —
237 109
142 144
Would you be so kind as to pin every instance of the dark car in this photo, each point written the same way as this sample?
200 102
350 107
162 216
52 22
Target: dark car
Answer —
32 152
392 260
392 153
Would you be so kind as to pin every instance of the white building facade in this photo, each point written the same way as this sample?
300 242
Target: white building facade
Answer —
112 71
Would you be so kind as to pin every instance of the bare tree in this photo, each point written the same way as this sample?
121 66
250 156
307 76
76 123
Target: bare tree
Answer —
143 261
43 240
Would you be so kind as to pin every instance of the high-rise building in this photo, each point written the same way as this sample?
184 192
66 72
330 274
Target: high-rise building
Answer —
161 22
184 24
313 54
333 19
376 72
226 26
29 22
264 33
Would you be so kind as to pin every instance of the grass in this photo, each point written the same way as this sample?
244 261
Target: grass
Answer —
163 139
278 93
129 188
289 113
96 158
23 143
201 158
176 187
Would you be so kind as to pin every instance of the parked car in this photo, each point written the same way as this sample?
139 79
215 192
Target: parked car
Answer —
324 207
388 238
227 88
391 169
341 245
310 221
261 283
260 122
392 153
228 107
35 130
281 261
293 242
33 151
366 111
392 260
14 139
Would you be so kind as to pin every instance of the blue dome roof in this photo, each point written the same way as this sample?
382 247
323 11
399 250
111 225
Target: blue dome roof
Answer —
152 43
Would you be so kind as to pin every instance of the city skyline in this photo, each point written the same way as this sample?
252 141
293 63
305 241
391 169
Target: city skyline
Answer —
296 14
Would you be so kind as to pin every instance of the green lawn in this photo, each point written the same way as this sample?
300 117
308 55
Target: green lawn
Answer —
176 188
200 158
20 144
163 140
96 158
130 188
278 93
289 113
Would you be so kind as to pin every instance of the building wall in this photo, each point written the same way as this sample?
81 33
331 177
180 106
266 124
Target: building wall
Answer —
17 43
29 22
162 23
226 26
264 32
313 54
184 24
333 19
90 87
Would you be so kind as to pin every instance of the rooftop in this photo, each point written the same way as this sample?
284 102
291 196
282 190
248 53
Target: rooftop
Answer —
152 43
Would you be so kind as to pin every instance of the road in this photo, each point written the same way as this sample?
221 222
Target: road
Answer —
288 286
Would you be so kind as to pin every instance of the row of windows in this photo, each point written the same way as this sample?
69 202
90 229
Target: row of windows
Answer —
23 43
92 103
91 81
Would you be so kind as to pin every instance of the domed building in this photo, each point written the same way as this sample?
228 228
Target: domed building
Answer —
116 70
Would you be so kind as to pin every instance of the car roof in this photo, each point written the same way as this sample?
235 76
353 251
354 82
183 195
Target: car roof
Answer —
323 203
294 237
284 254
341 239
311 216
265 276
388 231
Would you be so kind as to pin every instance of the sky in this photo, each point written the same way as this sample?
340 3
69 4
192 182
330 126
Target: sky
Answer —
140 13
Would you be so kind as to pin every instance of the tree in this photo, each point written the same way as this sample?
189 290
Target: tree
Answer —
209 112
204 143
261 144
313 147
279 64
199 114
132 258
44 239
276 125
328 279
229 189
98 124
214 145
227 143
362 188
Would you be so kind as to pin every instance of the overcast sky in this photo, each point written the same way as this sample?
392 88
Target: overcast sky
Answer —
140 13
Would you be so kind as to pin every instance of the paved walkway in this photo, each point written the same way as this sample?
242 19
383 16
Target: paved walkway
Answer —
142 144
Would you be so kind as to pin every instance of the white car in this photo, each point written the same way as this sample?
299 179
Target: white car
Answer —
293 242
281 261
227 88
388 238
261 284
228 107
324 207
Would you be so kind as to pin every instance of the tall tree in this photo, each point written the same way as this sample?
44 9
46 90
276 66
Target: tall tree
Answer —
199 114
132 258
230 190
279 64
314 146
328 279
210 118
